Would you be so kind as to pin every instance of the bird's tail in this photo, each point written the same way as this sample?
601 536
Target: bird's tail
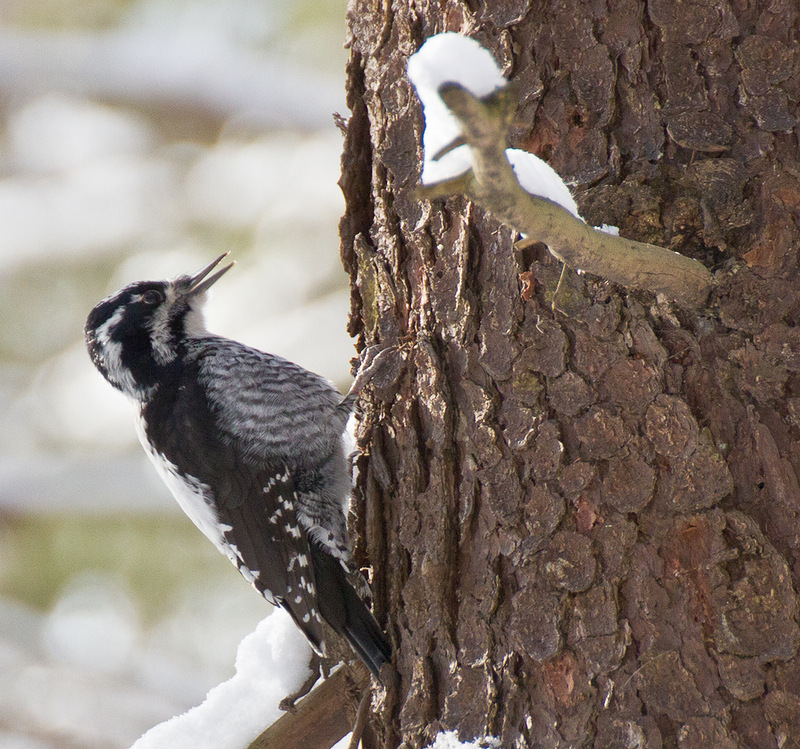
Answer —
346 613
364 634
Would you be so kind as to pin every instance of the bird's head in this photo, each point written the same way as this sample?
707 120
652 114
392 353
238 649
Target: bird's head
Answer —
133 336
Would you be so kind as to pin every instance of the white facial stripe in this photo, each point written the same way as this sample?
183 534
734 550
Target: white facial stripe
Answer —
193 323
103 332
111 355
160 334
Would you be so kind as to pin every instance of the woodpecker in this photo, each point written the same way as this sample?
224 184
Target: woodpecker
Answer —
250 445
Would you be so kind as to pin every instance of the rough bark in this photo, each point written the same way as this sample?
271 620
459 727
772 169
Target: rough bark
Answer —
582 512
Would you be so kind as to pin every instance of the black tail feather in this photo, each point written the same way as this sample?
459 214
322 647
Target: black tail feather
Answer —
364 634
341 607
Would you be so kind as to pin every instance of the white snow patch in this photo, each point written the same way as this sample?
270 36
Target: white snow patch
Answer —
450 740
449 58
609 229
271 663
453 58
538 178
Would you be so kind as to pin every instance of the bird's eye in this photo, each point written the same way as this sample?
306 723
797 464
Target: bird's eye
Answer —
152 297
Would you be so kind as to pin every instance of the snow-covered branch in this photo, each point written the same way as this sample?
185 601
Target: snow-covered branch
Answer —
520 189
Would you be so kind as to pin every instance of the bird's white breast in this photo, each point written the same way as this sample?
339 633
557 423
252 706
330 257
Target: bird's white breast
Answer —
193 496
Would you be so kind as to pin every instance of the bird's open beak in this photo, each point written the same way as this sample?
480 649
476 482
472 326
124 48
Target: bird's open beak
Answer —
199 282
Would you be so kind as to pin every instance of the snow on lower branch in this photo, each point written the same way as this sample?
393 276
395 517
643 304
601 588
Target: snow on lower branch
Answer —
271 663
453 58
450 740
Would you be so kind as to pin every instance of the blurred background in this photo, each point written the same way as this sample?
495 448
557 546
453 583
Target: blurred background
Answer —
141 139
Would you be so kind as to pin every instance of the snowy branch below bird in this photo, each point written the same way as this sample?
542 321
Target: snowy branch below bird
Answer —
468 106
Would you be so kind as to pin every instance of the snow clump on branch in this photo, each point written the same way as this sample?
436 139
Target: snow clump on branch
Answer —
454 58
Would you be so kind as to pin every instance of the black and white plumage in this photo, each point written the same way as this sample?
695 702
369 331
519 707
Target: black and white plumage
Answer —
249 444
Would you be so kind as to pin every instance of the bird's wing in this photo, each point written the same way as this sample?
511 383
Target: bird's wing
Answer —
249 510
267 406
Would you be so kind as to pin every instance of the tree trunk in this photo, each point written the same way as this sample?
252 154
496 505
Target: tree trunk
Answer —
582 509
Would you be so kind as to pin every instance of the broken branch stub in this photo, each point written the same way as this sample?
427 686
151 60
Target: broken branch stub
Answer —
492 184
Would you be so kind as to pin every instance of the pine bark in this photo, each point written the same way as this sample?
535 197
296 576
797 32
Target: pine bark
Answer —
582 510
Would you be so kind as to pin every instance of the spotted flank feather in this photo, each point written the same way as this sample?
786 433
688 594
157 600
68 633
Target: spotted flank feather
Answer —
271 550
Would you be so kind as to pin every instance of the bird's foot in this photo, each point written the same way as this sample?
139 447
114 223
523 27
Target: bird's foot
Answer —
287 703
378 362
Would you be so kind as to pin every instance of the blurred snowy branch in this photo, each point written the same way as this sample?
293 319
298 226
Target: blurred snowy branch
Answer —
150 68
50 482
